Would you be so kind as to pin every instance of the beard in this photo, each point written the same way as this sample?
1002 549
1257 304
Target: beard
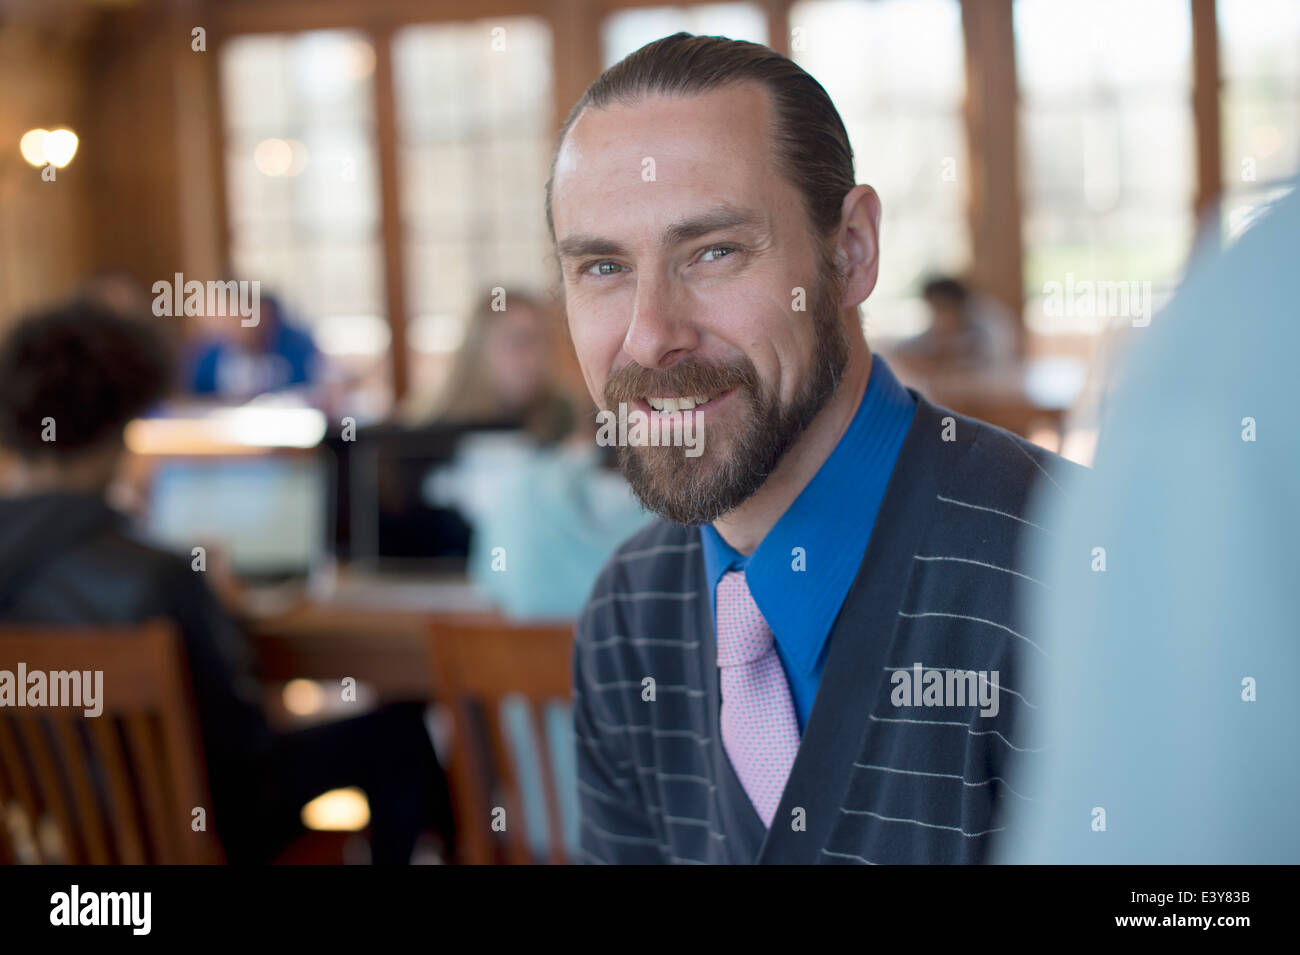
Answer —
699 490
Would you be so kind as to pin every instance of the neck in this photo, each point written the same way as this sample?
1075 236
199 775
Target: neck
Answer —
746 526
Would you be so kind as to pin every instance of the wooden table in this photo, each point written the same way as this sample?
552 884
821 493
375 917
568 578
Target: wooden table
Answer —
1010 396
372 628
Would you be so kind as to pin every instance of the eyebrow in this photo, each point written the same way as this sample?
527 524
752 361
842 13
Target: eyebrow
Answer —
684 230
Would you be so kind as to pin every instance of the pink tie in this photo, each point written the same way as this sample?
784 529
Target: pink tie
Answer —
759 730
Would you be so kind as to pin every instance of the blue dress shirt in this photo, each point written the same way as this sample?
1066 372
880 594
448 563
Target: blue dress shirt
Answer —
801 571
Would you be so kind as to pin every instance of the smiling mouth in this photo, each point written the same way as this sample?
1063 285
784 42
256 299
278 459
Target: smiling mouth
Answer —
674 403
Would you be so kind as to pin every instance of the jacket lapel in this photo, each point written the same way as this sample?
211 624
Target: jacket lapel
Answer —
864 630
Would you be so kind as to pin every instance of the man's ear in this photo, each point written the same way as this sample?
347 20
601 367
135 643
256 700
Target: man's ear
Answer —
858 250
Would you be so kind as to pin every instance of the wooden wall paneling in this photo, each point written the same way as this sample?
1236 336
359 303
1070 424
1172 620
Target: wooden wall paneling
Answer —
44 245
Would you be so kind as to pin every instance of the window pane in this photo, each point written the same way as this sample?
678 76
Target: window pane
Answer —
475 129
895 70
628 30
1108 151
1259 43
1259 57
303 188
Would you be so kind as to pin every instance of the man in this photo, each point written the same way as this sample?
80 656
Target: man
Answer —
71 377
743 667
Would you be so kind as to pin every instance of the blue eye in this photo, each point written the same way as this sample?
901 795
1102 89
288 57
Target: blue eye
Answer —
717 248
601 265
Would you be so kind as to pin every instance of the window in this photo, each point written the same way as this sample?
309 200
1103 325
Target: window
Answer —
895 70
1108 154
303 191
475 130
1107 139
628 30
1259 62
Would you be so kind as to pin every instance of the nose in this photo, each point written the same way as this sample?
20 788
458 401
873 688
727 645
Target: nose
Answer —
661 331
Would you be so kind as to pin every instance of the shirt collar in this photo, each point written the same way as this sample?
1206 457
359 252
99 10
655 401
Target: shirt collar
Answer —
801 571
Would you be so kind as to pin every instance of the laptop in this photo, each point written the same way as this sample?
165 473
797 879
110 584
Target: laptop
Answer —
405 495
269 514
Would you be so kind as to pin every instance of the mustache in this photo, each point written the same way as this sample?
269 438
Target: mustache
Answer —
634 381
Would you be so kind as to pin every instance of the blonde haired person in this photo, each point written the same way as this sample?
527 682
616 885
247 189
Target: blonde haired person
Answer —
503 372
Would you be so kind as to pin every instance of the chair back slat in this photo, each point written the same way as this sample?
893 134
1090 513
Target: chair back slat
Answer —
7 799
147 761
117 787
554 828
121 803
508 792
479 663
23 810
56 810
86 808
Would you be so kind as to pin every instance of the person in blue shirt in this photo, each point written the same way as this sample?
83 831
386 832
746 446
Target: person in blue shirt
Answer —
555 519
271 356
1170 723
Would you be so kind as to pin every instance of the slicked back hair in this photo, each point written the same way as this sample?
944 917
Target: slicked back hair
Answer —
811 146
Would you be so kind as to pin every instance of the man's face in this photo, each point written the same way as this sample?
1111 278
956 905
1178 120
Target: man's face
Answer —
681 248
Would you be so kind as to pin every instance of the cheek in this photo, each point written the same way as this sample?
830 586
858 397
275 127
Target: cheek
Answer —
497 362
776 339
530 359
796 354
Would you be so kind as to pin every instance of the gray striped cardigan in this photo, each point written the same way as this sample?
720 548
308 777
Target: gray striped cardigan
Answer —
873 782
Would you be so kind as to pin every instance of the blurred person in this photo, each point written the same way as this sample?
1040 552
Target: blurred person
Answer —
234 363
966 329
501 380
502 374
554 520
1081 427
68 558
1170 721
541 533
838 536
119 289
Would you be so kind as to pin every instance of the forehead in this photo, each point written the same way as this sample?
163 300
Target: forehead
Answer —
703 150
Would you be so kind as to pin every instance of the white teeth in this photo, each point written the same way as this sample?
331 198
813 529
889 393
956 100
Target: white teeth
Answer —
682 403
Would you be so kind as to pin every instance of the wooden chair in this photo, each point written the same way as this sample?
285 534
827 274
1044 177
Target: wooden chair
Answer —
117 788
479 661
